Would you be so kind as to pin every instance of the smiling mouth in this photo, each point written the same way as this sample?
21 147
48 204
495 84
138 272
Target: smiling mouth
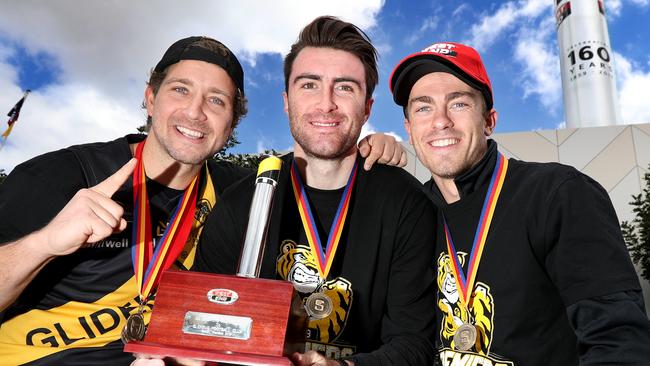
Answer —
192 134
325 124
444 142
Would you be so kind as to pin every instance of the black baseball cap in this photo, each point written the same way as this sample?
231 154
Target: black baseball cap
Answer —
190 48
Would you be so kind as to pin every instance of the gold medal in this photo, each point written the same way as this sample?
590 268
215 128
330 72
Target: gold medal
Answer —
465 337
135 328
318 305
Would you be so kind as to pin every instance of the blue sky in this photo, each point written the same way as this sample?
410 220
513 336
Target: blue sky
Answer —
87 61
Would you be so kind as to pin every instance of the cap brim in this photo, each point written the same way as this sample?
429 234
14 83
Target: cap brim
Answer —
411 70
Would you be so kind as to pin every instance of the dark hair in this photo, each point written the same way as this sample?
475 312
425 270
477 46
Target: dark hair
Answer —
239 108
331 32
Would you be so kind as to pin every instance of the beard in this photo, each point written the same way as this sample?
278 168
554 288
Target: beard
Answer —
326 146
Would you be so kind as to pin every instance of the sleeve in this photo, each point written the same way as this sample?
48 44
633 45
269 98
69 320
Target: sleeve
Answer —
611 329
408 324
589 263
586 256
220 244
34 192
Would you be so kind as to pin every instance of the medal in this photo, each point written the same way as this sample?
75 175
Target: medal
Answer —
465 337
135 327
318 305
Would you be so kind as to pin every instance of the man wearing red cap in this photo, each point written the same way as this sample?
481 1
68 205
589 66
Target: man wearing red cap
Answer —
78 266
532 268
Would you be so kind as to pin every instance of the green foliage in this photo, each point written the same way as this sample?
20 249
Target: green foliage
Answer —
637 232
250 161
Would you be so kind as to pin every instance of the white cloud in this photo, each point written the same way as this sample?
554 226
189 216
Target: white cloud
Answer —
633 85
427 27
613 7
105 49
491 27
539 60
368 129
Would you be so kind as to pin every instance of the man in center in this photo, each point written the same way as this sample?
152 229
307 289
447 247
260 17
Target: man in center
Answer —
374 265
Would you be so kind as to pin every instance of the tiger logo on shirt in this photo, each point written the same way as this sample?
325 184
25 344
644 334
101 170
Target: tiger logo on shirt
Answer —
297 265
480 311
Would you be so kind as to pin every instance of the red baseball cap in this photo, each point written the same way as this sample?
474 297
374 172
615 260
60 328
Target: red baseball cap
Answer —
454 58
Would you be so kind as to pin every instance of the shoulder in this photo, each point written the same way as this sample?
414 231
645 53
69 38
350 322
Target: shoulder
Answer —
546 175
224 174
390 178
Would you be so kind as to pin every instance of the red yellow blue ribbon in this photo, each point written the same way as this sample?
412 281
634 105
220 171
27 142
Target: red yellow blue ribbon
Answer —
464 283
149 263
324 258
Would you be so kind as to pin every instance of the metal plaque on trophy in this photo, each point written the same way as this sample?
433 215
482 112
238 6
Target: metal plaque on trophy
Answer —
241 319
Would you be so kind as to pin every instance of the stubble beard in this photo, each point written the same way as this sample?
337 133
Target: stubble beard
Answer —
314 147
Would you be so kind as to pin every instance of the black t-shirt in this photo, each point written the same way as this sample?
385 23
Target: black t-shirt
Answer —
381 273
73 311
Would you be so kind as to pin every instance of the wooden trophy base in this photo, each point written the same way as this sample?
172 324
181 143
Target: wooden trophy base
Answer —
224 319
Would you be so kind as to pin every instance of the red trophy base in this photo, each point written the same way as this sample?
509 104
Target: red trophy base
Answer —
224 319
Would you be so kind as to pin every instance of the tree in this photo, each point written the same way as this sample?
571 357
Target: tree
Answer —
250 161
637 232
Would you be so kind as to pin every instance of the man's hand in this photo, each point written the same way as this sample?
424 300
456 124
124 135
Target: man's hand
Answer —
90 216
383 149
313 358
145 360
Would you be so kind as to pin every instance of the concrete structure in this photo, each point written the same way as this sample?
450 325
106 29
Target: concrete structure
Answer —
615 156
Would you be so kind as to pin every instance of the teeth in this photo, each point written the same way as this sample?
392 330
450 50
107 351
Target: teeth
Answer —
444 142
322 124
189 133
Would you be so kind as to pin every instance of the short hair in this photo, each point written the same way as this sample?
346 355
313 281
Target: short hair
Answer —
331 32
240 103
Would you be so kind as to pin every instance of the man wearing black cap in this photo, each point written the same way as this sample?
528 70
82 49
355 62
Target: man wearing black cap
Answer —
79 267
532 268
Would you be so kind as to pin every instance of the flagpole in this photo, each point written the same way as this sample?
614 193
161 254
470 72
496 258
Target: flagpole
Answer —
13 115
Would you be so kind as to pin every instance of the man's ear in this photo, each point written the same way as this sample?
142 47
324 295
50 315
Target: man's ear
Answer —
149 98
407 127
490 122
285 99
368 109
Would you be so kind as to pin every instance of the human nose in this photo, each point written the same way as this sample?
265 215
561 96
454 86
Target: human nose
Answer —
326 102
194 108
441 120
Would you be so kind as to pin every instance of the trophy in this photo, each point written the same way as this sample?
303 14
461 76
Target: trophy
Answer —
241 319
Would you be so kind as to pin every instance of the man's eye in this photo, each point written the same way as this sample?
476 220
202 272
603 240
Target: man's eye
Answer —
308 86
346 88
459 105
180 89
425 108
216 101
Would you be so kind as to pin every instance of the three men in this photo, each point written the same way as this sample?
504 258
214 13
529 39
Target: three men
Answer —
532 268
369 252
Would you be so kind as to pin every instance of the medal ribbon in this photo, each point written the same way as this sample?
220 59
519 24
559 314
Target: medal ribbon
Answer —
465 284
324 258
148 264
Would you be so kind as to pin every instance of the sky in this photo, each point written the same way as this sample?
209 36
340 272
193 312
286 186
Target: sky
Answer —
86 62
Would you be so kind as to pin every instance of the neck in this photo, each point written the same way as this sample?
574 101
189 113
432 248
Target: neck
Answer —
448 189
324 173
167 171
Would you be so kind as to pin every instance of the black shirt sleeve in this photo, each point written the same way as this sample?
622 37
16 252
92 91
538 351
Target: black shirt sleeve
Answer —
611 329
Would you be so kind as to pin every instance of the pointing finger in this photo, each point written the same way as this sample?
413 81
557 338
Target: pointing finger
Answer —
111 184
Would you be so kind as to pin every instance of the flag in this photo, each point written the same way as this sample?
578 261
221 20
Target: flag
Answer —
13 117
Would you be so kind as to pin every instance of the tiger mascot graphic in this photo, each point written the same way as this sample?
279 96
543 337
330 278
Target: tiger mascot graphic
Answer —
297 265
479 312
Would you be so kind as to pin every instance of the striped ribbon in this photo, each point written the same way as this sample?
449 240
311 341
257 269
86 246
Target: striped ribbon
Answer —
464 283
149 263
324 258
